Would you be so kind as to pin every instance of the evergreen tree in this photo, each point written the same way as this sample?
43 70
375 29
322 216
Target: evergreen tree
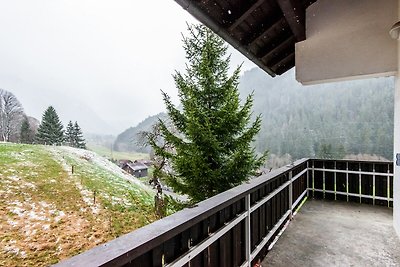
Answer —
340 152
50 131
26 133
78 140
69 134
325 151
212 133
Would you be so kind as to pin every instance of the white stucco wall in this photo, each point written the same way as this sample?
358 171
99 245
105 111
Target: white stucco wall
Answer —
347 40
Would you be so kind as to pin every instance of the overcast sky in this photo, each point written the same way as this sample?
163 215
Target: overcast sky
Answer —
99 62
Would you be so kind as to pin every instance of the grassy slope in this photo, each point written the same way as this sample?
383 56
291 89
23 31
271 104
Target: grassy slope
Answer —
106 152
47 213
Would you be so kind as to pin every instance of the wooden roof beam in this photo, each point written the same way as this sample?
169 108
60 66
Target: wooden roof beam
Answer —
281 45
287 66
272 62
278 24
245 15
194 9
294 14
282 62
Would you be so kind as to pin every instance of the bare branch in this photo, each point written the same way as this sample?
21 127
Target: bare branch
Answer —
11 115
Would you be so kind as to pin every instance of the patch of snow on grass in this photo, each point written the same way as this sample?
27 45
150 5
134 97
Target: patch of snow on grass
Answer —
44 204
17 211
60 215
87 197
14 178
18 155
28 231
16 203
27 164
39 216
21 183
13 249
12 223
29 185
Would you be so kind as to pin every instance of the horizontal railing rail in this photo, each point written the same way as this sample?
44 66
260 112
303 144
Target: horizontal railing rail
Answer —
236 227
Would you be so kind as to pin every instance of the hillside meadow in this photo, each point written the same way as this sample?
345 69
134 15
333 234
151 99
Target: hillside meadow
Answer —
48 213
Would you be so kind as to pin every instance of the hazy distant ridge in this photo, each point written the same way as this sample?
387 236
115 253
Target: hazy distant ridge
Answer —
128 140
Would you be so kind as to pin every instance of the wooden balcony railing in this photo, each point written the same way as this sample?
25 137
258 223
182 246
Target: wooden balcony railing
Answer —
236 227
356 181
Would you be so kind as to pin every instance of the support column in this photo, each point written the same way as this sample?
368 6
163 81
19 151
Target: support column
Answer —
396 143
396 151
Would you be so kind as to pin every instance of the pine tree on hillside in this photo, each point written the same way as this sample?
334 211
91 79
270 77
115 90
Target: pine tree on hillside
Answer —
50 131
26 133
212 133
69 134
79 141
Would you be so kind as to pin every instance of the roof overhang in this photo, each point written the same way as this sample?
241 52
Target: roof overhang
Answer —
265 31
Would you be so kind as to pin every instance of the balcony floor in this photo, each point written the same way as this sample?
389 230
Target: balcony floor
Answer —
329 233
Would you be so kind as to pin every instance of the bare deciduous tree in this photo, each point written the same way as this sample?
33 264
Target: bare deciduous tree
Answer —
11 115
154 137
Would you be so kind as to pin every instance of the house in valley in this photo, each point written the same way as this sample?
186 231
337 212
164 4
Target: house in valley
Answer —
136 169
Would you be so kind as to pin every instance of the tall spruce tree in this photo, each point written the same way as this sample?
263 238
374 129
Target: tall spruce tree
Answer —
212 133
26 135
50 131
69 134
78 140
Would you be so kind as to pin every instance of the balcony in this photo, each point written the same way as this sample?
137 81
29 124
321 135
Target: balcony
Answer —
335 233
237 227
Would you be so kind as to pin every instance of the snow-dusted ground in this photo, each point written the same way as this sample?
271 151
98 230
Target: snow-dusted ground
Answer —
34 221
111 167
99 161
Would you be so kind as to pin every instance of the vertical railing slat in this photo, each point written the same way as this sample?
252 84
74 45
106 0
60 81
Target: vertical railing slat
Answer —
248 231
308 179
359 181
323 180
290 194
388 186
373 184
347 181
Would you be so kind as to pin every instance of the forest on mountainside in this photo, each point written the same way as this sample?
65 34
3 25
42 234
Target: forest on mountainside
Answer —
328 120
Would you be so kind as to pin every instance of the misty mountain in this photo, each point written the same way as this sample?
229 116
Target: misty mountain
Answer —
333 119
68 107
129 141
99 140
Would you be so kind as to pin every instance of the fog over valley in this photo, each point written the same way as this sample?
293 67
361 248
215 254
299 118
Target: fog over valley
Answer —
102 63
